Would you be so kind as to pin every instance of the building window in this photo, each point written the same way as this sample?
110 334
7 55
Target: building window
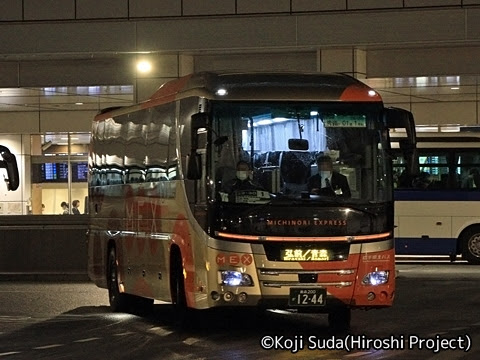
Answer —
59 173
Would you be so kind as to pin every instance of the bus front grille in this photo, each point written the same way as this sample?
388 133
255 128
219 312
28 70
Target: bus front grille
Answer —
278 278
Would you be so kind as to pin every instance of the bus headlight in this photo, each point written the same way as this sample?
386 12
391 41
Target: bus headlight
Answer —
376 278
235 278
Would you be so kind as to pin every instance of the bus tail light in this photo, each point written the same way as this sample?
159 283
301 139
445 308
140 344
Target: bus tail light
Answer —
235 278
375 278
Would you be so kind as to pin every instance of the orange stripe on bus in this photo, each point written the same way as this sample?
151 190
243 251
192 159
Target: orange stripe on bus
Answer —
305 238
167 92
359 92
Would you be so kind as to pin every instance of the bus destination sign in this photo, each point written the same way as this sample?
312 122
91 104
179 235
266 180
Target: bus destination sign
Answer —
345 121
304 255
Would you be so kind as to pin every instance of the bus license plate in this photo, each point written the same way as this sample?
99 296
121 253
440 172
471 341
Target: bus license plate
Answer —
307 297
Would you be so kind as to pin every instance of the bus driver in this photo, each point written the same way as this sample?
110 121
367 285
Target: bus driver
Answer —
327 181
242 180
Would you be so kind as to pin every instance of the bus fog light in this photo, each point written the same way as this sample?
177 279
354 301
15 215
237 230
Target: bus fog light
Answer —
371 296
228 296
376 278
235 278
242 297
215 296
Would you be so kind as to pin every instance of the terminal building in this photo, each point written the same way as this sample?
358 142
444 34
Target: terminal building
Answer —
62 61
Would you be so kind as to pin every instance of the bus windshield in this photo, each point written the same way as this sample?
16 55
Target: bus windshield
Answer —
279 152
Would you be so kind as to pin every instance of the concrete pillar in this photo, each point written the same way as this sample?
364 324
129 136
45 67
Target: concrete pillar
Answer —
186 65
349 61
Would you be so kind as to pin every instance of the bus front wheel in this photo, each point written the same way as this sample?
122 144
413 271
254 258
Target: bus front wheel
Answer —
471 245
179 299
118 302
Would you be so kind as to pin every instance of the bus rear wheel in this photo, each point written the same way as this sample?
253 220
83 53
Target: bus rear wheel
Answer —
339 319
118 302
471 245
179 299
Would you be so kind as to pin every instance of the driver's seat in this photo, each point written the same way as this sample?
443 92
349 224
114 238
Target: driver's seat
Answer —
294 172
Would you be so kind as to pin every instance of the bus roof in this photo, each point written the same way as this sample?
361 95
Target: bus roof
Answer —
440 140
260 86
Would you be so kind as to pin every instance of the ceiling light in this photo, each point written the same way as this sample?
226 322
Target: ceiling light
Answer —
78 103
455 88
144 66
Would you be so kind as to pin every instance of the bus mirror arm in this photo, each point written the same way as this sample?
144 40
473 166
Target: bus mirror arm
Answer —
194 166
409 153
396 118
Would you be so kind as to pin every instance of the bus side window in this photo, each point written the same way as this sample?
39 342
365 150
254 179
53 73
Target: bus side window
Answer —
471 180
135 176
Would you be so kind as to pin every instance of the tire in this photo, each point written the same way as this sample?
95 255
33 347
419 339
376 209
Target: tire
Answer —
471 245
179 300
140 306
339 319
119 302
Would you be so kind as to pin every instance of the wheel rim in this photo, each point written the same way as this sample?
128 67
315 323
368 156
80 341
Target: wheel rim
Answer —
474 245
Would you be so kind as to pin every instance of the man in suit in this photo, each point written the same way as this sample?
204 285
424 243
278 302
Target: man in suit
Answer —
327 181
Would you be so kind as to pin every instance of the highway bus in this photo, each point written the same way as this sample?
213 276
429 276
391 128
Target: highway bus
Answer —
9 163
438 210
163 224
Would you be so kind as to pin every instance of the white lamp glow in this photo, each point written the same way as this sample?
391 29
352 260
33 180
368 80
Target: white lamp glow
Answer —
144 66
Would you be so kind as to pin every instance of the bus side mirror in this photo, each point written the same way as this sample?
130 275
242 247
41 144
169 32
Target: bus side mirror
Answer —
198 122
9 162
395 118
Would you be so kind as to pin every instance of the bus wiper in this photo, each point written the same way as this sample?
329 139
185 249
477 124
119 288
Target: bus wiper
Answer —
342 201
358 208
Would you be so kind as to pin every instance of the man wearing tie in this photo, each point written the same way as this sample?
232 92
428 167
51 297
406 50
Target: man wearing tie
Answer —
327 181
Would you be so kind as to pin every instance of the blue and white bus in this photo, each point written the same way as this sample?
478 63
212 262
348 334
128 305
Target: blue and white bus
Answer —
437 210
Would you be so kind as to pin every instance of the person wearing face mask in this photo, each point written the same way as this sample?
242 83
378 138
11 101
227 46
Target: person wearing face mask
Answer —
242 180
327 181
